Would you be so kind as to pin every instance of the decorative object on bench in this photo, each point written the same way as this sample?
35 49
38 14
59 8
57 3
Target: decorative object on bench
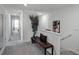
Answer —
42 41
34 23
43 38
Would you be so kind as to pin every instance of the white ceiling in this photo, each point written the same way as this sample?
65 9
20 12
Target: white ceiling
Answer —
37 7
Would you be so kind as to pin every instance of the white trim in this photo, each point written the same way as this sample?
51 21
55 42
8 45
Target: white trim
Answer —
51 32
2 50
21 23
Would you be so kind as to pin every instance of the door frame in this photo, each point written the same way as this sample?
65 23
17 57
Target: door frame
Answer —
8 28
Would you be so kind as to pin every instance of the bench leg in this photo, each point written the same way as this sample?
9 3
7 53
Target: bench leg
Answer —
52 50
45 51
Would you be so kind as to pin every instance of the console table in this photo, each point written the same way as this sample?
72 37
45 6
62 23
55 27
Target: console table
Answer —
45 46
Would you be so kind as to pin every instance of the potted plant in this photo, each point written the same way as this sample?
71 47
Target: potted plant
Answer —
34 23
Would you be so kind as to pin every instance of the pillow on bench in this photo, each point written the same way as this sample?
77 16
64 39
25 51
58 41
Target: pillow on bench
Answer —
43 38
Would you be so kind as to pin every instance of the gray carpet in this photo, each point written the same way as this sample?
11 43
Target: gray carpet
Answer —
30 49
15 37
23 49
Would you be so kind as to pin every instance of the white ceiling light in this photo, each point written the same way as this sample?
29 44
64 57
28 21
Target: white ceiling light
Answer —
25 4
39 13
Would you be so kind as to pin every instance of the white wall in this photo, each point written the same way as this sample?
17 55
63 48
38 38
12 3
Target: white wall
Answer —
69 24
2 34
44 21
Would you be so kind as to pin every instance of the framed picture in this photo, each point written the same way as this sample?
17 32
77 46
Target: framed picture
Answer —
56 26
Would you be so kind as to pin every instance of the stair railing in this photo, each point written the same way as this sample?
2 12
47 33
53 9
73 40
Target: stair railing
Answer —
66 37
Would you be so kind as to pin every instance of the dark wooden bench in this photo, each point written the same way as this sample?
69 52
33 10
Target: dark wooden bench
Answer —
45 46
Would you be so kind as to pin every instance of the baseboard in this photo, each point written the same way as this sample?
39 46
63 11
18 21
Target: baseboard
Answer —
74 51
71 51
